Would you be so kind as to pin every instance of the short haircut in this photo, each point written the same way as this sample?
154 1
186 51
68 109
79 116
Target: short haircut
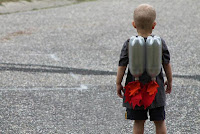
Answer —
144 16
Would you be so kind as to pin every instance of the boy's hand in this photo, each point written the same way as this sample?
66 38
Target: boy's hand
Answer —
120 90
169 87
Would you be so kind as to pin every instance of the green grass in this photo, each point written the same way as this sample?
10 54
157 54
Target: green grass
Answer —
1 1
83 0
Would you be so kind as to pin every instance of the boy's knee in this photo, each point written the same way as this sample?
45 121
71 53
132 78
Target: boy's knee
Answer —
159 123
140 122
138 127
160 127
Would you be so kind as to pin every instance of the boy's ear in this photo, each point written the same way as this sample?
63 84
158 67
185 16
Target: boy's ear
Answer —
133 23
154 24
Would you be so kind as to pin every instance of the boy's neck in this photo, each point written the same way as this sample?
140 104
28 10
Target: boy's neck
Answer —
144 33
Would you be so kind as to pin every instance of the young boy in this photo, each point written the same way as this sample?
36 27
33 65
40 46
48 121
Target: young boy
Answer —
144 22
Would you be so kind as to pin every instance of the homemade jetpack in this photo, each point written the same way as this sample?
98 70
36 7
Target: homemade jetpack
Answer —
143 56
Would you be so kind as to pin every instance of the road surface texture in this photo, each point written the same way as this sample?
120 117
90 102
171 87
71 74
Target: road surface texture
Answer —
58 67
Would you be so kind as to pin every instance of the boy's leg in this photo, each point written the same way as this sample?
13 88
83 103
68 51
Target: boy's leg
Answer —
139 116
138 127
160 127
158 116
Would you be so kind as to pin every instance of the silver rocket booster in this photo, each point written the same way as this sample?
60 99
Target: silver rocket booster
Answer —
153 56
136 52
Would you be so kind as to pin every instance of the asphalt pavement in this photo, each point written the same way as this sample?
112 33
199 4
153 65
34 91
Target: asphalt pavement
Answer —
58 67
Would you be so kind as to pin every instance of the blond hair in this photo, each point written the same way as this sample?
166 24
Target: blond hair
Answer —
144 17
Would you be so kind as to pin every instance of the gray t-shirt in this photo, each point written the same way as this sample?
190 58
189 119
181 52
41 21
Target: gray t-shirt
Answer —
160 98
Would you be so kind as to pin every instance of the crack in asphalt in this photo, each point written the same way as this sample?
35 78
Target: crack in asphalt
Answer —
67 70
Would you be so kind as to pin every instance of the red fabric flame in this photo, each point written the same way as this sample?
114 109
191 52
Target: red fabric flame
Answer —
152 87
136 94
136 100
132 94
149 93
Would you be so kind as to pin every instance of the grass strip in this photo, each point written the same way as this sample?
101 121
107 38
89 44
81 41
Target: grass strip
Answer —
1 1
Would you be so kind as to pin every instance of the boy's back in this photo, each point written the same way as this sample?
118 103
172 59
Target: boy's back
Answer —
144 22
145 78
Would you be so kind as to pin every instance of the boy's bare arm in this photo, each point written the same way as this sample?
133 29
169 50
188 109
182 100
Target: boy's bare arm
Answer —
120 74
168 72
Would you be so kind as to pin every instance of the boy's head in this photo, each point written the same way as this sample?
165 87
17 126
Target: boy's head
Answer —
144 18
